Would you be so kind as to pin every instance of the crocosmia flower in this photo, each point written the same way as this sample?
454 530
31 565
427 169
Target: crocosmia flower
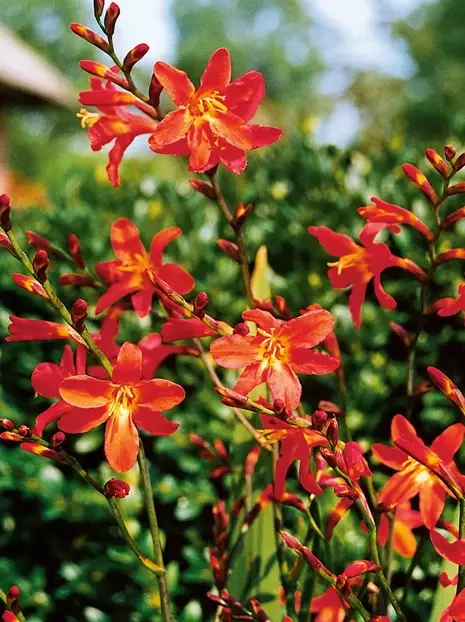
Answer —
210 124
123 403
113 122
421 470
127 274
382 211
446 307
358 265
277 352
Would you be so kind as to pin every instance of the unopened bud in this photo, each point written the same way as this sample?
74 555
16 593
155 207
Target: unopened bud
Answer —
57 439
251 461
79 314
344 492
241 213
116 488
203 187
7 424
134 56
98 8
5 212
459 162
453 218
420 181
401 333
456 188
79 280
319 418
332 432
329 456
24 430
282 307
241 329
9 616
90 36
111 17
40 264
200 302
450 152
74 248
438 163
231 249
279 407
12 599
155 90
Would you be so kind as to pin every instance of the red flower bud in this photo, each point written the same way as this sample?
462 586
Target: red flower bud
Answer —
401 333
460 162
230 249
456 189
98 8
111 17
57 439
453 217
329 407
332 432
420 182
155 90
74 248
79 314
90 36
5 212
79 280
241 329
454 253
40 264
24 430
12 599
200 302
241 213
438 163
446 386
279 407
344 492
116 488
6 244
9 616
319 418
201 186
329 456
449 152
7 424
251 461
134 56
282 307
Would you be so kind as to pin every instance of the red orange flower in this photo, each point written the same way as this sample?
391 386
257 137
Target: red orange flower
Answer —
358 265
382 211
210 124
424 473
446 307
446 386
123 403
127 274
25 329
277 352
115 122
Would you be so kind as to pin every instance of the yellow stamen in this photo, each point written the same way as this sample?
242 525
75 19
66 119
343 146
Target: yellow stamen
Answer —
87 118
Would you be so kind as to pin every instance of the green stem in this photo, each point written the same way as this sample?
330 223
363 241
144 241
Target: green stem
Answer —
155 533
461 579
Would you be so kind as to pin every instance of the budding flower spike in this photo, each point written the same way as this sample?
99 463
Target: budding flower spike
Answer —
210 124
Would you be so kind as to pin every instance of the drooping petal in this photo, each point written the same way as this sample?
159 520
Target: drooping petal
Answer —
337 244
175 82
307 330
232 128
449 442
308 480
264 135
304 361
176 276
47 377
432 499
158 394
159 242
86 392
243 95
173 127
390 456
284 385
128 366
121 442
263 319
79 420
337 514
176 329
251 377
404 541
235 351
114 293
54 412
142 301
115 155
125 240
384 299
234 159
283 464
452 551
153 422
402 428
217 73
356 300
370 231
25 329
109 271
200 146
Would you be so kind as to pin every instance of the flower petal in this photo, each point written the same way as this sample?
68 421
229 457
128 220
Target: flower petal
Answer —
284 385
121 442
54 412
304 361
264 135
235 351
243 95
86 392
128 366
402 428
79 420
337 244
452 551
200 146
159 394
307 330
176 276
115 155
356 300
153 422
47 377
234 159
448 442
114 293
160 241
404 541
263 319
251 377
432 499
175 82
217 73
390 456
125 240
173 127
232 128
142 301
401 487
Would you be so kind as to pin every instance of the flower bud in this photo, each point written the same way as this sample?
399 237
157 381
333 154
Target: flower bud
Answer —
24 430
332 432
111 17
401 333
7 424
282 307
453 218
241 329
74 248
5 212
79 280
90 36
251 461
40 264
9 616
344 492
116 488
201 186
12 599
155 90
98 8
454 253
231 249
329 407
437 162
57 439
79 314
241 213
447 387
319 418
134 56
6 244
460 162
456 189
449 152
420 181
279 407
200 302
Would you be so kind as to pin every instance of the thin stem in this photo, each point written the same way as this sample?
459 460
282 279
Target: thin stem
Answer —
390 546
461 579
155 533
237 228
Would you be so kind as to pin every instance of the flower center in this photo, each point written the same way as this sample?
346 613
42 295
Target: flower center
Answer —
87 118
122 404
208 104
273 350
357 259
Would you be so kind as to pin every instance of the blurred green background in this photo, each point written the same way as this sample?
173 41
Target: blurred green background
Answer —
380 87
